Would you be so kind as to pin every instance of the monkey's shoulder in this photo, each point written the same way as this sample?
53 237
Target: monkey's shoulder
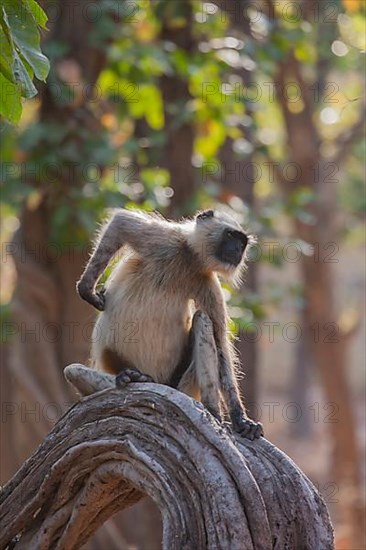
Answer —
176 250
171 265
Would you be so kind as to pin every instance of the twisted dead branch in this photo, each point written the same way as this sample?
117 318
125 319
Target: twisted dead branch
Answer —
214 490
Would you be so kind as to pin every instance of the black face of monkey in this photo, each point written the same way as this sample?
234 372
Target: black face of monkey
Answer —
231 247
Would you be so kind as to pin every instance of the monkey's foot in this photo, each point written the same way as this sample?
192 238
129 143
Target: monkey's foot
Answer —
248 428
126 376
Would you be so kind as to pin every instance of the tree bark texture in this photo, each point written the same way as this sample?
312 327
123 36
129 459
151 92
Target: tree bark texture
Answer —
214 490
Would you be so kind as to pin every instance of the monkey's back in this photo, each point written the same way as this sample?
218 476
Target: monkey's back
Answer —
147 315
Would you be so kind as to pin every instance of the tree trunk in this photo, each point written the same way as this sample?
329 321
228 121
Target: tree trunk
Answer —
213 490
179 130
301 382
328 344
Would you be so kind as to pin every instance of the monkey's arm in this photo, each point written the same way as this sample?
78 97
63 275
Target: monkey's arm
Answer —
211 301
125 227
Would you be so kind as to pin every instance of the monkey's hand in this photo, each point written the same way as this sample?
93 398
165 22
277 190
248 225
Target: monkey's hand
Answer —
131 375
247 428
96 299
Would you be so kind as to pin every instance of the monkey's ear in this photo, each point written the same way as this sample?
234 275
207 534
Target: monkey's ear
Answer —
205 215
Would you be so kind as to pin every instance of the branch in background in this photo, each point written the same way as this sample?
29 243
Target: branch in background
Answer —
350 136
285 185
304 144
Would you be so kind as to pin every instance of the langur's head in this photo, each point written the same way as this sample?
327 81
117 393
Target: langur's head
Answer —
221 243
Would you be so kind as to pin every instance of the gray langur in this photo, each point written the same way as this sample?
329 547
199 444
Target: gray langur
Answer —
164 317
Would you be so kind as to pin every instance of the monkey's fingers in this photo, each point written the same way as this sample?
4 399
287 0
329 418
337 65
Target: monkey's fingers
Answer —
249 429
138 376
256 431
245 430
259 430
122 379
96 299
99 300
126 376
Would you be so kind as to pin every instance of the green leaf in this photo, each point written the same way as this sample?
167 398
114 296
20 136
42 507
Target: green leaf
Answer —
13 68
11 103
6 50
38 14
26 37
23 75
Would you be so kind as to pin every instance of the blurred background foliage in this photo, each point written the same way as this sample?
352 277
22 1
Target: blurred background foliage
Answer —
180 105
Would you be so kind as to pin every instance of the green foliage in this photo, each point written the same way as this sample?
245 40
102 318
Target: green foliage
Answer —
123 163
21 58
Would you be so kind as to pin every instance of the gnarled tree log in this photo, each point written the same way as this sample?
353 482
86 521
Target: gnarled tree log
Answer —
214 490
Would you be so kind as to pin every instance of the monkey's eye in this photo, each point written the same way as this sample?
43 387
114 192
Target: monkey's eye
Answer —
230 234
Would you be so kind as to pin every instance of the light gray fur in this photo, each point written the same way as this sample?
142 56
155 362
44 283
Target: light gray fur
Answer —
203 372
167 272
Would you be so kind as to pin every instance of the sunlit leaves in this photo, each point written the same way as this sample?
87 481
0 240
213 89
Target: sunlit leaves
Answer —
149 105
353 5
220 104
21 58
352 27
10 104
211 136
